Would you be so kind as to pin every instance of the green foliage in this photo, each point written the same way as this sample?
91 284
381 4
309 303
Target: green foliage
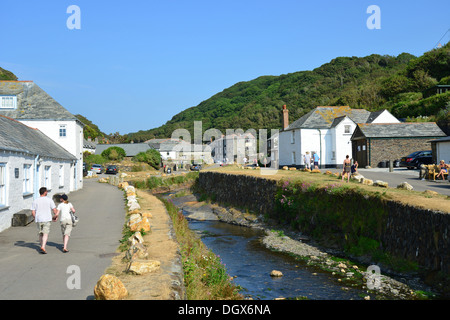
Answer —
7 75
155 182
90 130
94 159
151 157
114 153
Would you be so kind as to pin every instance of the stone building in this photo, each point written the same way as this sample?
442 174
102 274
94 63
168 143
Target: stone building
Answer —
375 143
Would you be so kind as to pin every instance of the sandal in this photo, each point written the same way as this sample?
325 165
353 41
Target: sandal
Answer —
65 250
43 251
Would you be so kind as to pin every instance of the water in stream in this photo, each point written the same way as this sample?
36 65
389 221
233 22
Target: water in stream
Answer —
244 256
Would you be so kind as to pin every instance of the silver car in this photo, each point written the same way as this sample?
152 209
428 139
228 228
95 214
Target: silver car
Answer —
97 168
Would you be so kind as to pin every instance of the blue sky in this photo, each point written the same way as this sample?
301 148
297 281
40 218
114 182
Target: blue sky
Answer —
134 64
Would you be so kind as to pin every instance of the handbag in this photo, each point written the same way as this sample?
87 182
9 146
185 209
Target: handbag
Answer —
74 218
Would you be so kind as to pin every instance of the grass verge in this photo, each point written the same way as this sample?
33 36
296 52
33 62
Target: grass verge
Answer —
205 276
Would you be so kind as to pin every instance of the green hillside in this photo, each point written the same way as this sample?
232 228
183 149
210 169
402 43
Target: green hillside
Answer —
374 82
7 75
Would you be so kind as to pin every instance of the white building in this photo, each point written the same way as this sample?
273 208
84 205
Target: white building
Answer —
235 148
29 160
28 103
325 131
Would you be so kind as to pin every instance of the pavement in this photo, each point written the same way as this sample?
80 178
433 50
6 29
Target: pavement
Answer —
399 175
27 274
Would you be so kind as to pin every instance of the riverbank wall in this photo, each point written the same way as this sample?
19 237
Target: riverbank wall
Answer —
367 221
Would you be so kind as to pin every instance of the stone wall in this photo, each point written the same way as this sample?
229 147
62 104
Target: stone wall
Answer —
419 235
395 149
239 190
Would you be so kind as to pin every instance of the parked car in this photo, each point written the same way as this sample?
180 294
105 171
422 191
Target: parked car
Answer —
196 167
111 169
97 168
415 159
85 170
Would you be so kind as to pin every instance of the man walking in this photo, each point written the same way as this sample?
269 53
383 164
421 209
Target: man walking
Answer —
41 209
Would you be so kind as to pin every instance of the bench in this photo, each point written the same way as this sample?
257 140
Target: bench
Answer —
22 218
433 171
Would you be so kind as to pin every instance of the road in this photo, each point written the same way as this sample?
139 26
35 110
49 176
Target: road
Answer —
400 175
28 275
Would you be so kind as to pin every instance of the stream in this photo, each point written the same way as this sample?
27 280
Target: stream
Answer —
250 262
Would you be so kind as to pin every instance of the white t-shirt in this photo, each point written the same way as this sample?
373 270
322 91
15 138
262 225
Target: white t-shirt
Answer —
65 209
43 207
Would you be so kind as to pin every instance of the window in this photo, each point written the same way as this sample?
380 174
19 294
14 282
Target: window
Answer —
2 184
26 178
333 155
8 102
62 130
294 160
293 136
61 175
47 177
347 129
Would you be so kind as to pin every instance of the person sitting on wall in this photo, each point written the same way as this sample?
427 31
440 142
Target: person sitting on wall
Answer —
354 167
443 169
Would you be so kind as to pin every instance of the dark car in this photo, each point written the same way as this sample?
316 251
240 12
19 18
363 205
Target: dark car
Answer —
111 169
196 167
415 159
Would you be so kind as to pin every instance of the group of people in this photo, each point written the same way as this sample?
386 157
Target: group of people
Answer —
311 160
349 168
45 211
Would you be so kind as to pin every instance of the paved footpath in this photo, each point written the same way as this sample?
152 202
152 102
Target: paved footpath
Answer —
28 275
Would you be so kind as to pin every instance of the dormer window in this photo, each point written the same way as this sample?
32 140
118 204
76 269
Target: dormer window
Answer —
8 102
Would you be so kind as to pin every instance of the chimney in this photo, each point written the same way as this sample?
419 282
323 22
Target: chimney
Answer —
285 117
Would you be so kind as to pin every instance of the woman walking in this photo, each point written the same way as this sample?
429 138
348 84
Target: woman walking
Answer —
347 168
66 220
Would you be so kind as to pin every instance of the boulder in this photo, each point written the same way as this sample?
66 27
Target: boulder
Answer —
137 251
141 224
315 171
139 267
292 169
276 273
134 206
366 182
285 168
405 186
109 287
380 183
356 176
135 238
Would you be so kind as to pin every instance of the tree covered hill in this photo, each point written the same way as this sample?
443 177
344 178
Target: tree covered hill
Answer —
374 82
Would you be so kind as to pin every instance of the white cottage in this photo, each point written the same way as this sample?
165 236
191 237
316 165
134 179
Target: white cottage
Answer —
26 102
29 160
325 131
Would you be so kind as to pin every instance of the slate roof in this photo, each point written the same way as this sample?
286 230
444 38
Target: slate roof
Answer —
15 136
33 103
323 117
131 149
398 130
166 145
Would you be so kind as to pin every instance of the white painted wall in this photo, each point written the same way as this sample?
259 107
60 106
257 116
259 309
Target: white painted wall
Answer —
386 117
443 151
72 142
